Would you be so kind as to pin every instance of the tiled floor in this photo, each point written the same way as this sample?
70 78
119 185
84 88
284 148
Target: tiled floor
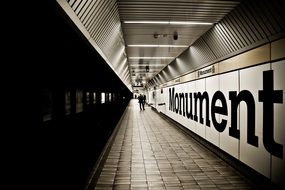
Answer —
150 153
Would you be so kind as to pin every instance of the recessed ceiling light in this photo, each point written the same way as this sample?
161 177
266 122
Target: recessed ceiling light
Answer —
150 45
189 23
166 22
151 57
145 22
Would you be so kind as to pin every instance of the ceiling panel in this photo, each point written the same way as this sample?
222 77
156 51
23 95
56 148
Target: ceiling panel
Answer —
165 34
104 22
250 25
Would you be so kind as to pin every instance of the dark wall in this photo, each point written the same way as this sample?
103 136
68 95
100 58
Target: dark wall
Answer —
47 59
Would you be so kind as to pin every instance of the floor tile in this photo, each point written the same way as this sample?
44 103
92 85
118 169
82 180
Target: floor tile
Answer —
150 153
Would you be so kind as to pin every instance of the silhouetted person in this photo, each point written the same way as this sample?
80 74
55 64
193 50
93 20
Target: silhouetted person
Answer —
144 100
141 101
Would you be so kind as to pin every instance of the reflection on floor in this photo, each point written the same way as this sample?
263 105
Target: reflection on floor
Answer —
150 153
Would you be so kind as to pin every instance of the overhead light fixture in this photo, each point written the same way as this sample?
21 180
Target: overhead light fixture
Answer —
150 45
167 22
145 22
189 23
142 65
151 57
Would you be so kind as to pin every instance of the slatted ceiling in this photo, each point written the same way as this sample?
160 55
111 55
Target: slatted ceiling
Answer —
84 9
254 27
260 20
102 25
75 5
88 12
71 2
101 19
276 14
248 25
203 51
92 12
227 23
233 22
169 10
244 26
175 10
156 52
270 17
105 34
80 11
107 24
95 18
211 40
225 31
222 40
161 62
95 14
79 7
262 26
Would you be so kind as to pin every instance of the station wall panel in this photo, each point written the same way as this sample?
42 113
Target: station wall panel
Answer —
212 135
251 80
242 90
229 82
278 164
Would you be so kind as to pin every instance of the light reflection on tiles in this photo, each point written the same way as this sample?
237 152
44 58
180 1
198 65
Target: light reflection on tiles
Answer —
149 153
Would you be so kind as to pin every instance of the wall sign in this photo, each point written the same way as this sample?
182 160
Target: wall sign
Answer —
181 103
206 71
241 112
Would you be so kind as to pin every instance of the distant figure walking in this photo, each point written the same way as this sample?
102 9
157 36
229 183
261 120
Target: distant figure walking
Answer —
144 100
141 101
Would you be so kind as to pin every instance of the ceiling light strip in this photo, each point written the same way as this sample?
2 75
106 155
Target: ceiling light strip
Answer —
150 45
143 65
166 22
151 57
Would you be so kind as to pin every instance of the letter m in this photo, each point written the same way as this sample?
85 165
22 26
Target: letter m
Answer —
171 99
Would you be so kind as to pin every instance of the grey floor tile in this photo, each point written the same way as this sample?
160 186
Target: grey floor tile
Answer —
150 153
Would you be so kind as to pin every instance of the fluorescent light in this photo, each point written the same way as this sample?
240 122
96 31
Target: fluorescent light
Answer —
151 57
167 22
143 65
189 23
145 22
150 45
